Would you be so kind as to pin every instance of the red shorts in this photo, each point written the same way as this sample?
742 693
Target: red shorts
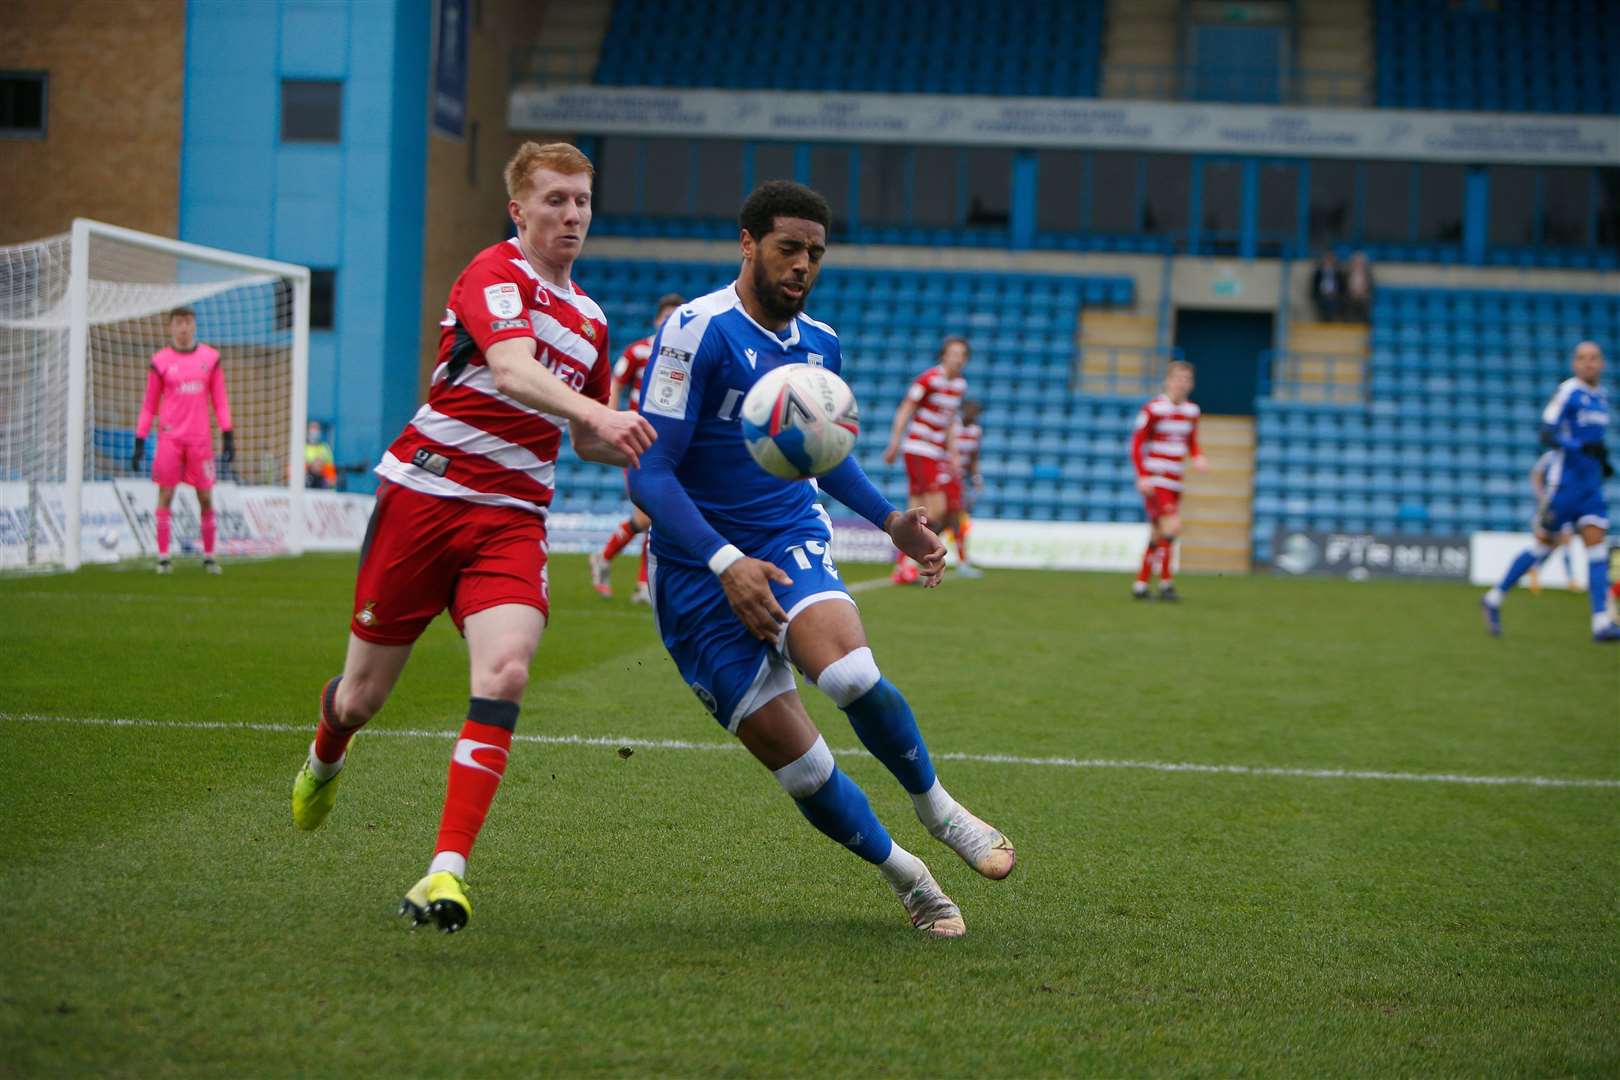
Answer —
953 493
1163 501
925 475
423 554
180 462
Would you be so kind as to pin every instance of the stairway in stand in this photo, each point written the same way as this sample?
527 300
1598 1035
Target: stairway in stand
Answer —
1216 509
1325 363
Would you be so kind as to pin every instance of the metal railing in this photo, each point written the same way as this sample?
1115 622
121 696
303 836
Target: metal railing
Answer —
1129 370
1237 85
1321 378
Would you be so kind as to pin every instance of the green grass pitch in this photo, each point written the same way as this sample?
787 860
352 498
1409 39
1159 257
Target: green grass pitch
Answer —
669 913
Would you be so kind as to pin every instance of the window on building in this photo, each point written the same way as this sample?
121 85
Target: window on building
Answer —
1113 193
883 185
829 174
1608 209
1333 201
1512 220
1387 214
719 177
1566 207
1440 204
1166 194
934 199
618 174
668 177
1223 205
1277 211
311 111
1062 177
322 299
773 161
22 104
989 186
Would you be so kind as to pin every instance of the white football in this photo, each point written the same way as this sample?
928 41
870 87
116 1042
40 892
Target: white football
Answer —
800 421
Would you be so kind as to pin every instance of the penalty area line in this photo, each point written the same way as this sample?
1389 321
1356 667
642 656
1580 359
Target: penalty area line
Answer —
1185 767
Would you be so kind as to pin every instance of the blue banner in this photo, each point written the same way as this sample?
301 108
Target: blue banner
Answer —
450 69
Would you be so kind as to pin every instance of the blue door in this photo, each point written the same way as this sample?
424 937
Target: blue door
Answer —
1237 62
1225 348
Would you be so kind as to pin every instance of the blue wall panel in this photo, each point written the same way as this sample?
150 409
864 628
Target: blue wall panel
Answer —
354 207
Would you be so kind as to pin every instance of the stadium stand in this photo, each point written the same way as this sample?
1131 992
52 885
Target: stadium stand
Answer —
1507 56
1048 454
1447 435
1047 48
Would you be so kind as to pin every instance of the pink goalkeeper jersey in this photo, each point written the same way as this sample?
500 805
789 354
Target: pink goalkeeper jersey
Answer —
184 383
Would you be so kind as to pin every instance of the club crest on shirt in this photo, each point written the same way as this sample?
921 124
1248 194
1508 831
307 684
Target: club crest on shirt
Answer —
504 300
588 328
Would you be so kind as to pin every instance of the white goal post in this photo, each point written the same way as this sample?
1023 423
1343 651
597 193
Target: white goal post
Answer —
80 316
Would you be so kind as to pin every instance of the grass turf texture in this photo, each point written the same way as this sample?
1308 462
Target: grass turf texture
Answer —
669 912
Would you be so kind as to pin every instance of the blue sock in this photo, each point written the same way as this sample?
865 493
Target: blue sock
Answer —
1521 566
884 723
1597 581
839 809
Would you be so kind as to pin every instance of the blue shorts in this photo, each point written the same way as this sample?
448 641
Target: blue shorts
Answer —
730 670
1577 507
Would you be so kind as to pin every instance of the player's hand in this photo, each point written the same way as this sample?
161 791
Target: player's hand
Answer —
1201 463
136 455
627 432
227 453
910 532
748 589
1144 486
890 452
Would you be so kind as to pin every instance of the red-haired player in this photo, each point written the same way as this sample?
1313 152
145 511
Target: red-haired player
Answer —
1166 437
627 380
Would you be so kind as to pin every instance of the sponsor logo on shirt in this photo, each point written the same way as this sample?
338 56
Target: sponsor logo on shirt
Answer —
508 324
503 300
680 356
541 297
428 461
815 359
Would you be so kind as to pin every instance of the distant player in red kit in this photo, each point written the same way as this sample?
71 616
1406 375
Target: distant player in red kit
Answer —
183 380
964 481
925 430
627 379
1166 437
460 520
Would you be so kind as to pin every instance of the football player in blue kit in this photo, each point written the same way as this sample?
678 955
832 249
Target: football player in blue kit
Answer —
743 580
1572 427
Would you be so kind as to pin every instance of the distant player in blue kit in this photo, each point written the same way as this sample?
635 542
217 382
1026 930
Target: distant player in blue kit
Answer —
1572 427
743 581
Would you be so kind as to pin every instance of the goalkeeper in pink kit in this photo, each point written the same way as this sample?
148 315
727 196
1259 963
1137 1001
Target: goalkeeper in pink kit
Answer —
184 379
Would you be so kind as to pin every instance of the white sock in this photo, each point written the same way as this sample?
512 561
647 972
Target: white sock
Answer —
934 806
1600 621
1494 597
453 861
324 770
902 869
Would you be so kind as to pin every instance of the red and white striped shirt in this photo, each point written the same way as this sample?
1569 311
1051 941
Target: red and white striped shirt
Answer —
1166 435
938 396
627 370
967 447
472 442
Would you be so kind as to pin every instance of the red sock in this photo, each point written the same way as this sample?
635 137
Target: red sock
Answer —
165 519
331 741
1148 558
1166 547
961 541
476 768
208 532
621 536
641 577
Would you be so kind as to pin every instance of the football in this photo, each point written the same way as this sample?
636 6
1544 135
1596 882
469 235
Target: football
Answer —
800 421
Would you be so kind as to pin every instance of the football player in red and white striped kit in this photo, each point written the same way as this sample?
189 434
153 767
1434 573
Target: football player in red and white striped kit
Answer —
627 380
460 520
1166 438
964 482
925 430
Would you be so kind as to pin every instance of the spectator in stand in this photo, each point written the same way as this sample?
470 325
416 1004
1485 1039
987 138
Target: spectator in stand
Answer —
320 470
1327 287
1358 289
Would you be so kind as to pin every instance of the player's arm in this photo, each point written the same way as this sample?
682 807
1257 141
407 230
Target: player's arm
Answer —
621 379
657 490
1552 422
149 408
902 417
1198 460
1139 439
222 411
598 433
909 530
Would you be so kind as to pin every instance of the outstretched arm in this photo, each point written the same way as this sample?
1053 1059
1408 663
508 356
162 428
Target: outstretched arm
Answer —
908 529
615 438
902 417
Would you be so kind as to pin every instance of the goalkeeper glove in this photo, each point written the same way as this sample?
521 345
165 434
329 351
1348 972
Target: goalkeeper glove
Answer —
136 454
228 454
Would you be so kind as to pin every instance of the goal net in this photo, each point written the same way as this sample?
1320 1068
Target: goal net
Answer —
81 315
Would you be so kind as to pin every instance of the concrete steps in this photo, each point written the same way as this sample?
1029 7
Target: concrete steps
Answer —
1324 362
1217 508
1116 352
1140 34
1335 36
570 41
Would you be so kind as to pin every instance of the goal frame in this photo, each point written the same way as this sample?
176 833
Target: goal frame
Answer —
78 300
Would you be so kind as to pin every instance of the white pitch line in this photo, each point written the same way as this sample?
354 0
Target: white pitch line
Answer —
982 759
